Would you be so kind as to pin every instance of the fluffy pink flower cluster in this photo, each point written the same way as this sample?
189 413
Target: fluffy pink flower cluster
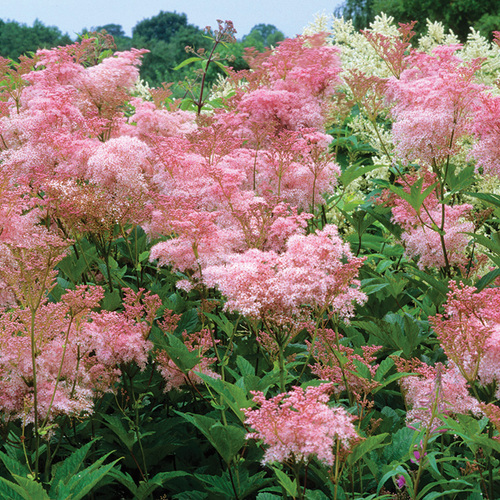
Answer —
79 352
435 101
290 84
487 131
443 388
493 413
61 136
316 273
299 425
242 175
236 179
470 332
28 253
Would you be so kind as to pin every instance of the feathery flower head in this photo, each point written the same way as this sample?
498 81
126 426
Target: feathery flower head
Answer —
299 425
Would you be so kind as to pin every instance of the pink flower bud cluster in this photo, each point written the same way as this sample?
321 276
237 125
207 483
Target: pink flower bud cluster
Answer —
299 425
328 348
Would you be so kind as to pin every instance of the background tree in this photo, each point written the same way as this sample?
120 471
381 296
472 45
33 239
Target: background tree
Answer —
262 36
166 36
459 15
17 39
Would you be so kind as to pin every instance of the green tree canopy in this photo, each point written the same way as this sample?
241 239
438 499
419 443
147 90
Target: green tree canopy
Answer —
17 39
115 30
166 36
262 36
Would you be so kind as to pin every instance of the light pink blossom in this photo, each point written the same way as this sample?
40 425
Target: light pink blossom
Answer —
299 425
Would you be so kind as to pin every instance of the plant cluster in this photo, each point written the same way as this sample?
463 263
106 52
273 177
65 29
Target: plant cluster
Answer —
282 286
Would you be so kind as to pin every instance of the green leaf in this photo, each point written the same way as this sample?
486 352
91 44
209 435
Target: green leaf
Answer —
221 66
439 286
126 436
26 488
384 218
383 368
179 353
388 381
74 267
125 479
186 62
458 182
449 486
144 256
361 369
398 449
353 172
189 322
65 470
397 471
146 488
369 444
112 300
226 439
245 484
487 279
368 287
431 458
245 366
191 495
316 495
416 196
235 397
14 466
492 199
225 324
7 492
490 244
289 485
84 481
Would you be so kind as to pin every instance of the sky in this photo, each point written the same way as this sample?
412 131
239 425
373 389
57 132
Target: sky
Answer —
71 16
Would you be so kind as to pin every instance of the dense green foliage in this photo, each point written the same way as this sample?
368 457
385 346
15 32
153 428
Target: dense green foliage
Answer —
459 15
262 36
17 39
